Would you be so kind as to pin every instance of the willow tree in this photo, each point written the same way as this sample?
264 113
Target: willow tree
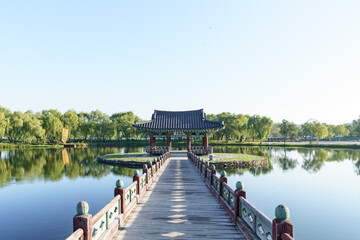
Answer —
260 126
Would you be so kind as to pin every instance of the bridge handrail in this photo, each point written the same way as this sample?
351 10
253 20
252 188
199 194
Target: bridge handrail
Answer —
103 224
241 210
77 235
103 218
256 220
229 195
130 193
286 236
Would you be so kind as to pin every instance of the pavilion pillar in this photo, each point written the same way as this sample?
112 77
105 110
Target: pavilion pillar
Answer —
188 143
169 143
205 141
152 142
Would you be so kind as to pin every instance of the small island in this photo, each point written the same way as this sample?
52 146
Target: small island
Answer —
126 159
235 160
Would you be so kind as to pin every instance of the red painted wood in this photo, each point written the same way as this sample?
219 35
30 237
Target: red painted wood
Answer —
286 236
205 141
85 223
121 192
280 227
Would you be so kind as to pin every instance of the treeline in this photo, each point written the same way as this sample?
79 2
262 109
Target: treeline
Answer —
47 126
244 127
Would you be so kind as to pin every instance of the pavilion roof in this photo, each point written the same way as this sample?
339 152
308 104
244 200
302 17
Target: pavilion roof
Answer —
179 121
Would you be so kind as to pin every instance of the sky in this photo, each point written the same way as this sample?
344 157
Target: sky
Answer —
294 60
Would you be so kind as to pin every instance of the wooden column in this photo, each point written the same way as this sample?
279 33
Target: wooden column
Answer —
169 143
152 142
188 143
205 141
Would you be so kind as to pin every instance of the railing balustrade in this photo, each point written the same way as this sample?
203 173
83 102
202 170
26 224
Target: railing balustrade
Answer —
201 150
249 219
157 150
105 223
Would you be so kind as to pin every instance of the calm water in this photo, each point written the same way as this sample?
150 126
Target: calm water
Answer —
39 189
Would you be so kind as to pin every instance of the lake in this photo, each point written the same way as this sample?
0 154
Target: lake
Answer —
39 188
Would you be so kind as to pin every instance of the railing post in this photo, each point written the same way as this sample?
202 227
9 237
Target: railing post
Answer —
120 190
206 168
83 220
239 192
223 179
281 224
136 177
213 172
145 171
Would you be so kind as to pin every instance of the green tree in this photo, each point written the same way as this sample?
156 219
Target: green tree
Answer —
313 128
341 130
288 129
123 123
355 128
260 126
331 131
4 121
70 121
25 127
52 125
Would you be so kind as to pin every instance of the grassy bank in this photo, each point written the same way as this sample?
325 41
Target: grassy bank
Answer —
232 157
291 145
24 145
128 159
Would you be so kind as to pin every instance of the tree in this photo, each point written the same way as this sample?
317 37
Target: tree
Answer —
52 125
321 131
315 129
124 124
260 126
4 121
70 121
341 130
355 127
288 129
26 127
331 131
275 130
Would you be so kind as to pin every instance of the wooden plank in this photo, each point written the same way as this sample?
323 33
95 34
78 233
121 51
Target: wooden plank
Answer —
179 206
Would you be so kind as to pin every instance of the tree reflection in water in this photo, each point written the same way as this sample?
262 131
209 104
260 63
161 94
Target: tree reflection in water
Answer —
313 159
53 164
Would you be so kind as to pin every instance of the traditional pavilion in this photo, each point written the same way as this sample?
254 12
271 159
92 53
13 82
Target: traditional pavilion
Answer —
170 124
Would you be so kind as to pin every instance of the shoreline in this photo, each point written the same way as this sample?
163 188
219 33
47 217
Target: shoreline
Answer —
140 143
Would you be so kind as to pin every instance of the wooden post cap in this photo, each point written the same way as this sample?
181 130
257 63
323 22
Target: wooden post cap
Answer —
239 185
282 212
119 183
82 208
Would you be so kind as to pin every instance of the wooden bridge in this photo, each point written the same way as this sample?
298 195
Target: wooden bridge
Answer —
181 198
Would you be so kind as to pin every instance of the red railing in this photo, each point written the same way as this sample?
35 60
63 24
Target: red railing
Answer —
108 220
157 150
201 150
252 222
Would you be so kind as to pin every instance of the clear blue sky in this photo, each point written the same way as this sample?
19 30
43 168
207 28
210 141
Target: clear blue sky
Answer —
285 59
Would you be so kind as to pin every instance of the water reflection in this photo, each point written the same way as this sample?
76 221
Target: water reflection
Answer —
31 164
311 159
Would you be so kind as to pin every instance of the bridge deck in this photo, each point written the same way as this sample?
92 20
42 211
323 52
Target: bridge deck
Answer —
179 206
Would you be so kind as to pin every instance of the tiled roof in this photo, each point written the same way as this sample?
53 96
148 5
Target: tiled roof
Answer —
184 120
